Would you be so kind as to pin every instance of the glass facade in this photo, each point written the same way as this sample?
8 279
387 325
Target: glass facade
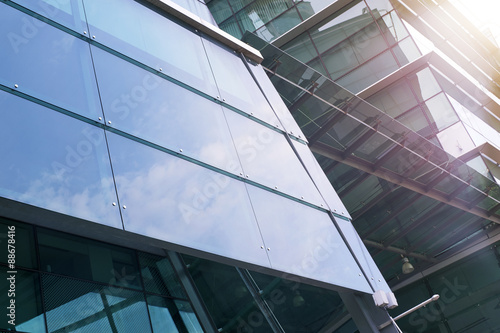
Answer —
152 129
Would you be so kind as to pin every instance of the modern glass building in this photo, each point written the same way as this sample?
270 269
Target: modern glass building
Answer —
412 149
160 175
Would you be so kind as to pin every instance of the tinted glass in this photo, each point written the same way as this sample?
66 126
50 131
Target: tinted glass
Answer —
66 12
304 241
320 179
159 276
264 154
177 201
20 238
151 108
47 63
86 259
151 39
55 162
241 90
77 306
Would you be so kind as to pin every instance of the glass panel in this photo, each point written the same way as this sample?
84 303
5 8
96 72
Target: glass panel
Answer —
172 316
170 199
20 237
416 121
27 315
280 25
159 276
259 13
301 48
241 90
369 73
66 12
220 9
159 111
392 28
188 316
47 63
182 57
264 154
77 257
277 103
395 99
424 84
441 110
304 242
233 308
55 162
231 26
197 7
300 307
379 6
76 306
341 27
319 178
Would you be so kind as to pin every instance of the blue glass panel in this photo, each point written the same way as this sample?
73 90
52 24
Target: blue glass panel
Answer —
180 202
188 316
152 39
66 12
364 258
55 162
236 85
267 158
331 197
47 63
159 111
304 241
277 103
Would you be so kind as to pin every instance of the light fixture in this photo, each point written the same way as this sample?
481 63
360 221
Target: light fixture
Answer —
407 266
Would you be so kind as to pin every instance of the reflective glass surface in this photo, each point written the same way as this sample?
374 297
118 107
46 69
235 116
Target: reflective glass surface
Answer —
197 7
172 316
304 241
319 178
424 84
70 176
264 154
177 201
66 12
47 63
159 276
143 38
159 111
241 90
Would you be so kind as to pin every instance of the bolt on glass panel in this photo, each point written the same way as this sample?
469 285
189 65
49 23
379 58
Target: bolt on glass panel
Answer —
152 39
304 242
240 91
265 153
173 200
159 111
56 162
65 12
47 63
